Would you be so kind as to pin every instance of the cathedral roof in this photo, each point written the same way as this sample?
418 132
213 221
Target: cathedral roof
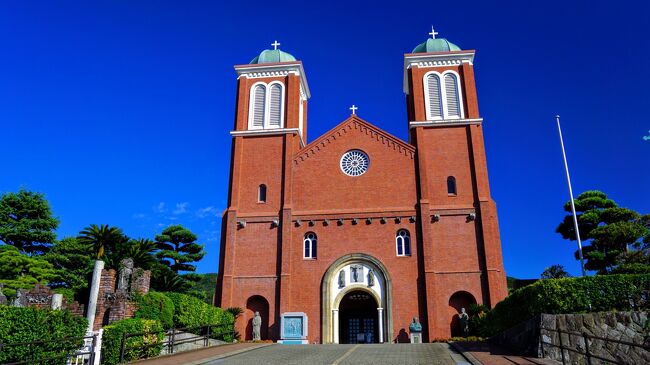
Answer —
272 56
435 45
355 123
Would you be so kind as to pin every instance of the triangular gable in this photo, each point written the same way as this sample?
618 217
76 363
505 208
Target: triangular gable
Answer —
355 123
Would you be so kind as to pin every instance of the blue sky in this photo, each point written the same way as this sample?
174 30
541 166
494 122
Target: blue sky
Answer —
120 111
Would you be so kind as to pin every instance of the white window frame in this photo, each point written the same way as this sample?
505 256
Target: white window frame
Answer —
399 240
313 242
443 94
267 105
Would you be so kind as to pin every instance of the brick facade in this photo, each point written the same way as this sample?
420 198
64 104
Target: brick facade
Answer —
455 247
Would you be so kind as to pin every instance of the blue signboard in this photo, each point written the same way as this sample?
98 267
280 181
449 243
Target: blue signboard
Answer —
293 327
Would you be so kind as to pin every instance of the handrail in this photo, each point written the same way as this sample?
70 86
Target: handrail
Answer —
586 338
206 334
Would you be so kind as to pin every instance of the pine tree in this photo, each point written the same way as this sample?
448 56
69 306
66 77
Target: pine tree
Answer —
178 249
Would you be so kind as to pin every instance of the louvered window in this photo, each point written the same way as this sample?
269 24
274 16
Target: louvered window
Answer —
434 96
259 107
275 109
451 94
266 106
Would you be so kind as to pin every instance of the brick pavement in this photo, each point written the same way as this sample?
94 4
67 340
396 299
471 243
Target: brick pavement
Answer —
201 356
482 353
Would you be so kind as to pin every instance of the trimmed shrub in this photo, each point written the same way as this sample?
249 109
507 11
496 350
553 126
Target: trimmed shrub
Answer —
137 347
190 312
571 295
156 306
33 324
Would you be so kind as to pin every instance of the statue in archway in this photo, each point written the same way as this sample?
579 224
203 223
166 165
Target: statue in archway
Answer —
371 277
464 322
257 326
341 279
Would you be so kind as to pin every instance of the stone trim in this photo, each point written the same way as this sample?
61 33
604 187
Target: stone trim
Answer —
330 274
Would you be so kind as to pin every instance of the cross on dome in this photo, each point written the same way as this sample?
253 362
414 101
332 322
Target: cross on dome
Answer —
354 109
275 44
433 33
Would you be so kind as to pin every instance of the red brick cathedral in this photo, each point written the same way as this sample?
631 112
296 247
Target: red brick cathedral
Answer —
358 229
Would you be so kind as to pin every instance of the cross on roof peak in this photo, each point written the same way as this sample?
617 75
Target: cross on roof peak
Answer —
354 109
433 33
275 44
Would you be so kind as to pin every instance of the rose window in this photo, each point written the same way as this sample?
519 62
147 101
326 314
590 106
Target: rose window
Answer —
354 163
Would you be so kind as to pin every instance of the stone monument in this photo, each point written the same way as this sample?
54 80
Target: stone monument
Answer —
293 328
464 322
257 326
415 331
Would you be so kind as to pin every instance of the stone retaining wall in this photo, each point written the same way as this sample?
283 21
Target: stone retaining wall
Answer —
537 337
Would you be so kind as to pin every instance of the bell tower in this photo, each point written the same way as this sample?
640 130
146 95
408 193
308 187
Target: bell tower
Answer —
270 127
446 128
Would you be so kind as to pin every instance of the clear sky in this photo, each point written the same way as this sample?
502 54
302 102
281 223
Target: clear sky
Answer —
119 111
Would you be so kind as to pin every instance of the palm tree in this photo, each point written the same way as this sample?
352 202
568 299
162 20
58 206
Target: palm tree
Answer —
101 238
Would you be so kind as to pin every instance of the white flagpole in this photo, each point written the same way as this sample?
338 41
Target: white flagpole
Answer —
573 206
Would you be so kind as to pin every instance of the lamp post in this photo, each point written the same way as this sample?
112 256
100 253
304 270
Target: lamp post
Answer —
573 206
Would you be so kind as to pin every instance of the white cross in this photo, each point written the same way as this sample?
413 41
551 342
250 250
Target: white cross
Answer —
433 33
275 44
354 109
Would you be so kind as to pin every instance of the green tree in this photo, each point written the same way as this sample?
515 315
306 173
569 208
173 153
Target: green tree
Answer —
607 230
26 222
555 272
178 249
73 261
140 250
102 238
164 279
18 270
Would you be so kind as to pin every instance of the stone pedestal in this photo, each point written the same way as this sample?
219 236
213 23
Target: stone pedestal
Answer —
416 337
293 328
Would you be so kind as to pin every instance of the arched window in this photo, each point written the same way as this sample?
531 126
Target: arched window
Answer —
275 109
403 243
433 97
451 185
261 194
266 109
259 107
451 94
310 245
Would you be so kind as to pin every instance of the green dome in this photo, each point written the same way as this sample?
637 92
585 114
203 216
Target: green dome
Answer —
435 45
273 55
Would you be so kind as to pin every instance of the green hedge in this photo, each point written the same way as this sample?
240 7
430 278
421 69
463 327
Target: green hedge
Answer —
571 295
190 312
33 324
138 347
156 306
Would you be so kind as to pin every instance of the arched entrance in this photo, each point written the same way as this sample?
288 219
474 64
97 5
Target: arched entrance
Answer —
358 318
356 301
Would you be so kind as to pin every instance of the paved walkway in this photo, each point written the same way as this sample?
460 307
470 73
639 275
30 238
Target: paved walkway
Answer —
384 354
201 356
271 354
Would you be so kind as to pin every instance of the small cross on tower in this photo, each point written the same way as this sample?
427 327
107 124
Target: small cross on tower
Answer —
433 33
354 109
275 44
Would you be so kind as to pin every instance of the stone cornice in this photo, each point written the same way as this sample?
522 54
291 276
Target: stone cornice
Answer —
444 122
278 69
355 123
439 59
269 132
